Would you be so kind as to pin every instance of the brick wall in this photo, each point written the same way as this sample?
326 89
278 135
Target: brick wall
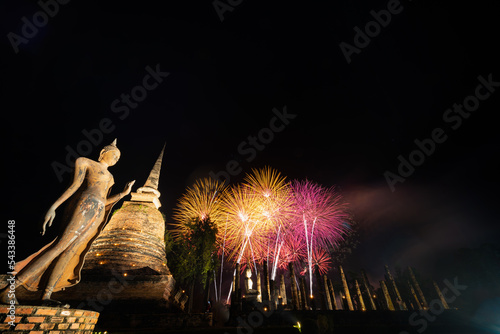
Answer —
47 320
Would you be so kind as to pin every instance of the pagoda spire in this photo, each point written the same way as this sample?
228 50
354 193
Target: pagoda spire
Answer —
154 175
149 192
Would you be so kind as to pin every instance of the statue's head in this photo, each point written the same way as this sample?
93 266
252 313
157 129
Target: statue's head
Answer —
110 154
248 272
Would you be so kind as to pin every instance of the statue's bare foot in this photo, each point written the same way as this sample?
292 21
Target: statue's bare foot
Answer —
54 303
6 299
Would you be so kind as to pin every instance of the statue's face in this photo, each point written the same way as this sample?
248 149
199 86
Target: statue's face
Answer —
110 157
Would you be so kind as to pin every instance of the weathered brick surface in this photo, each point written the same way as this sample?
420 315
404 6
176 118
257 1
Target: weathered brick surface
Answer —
4 327
138 228
23 327
24 310
74 326
47 326
47 320
16 320
46 311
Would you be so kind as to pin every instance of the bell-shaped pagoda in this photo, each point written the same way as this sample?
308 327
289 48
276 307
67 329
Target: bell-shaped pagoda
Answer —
133 240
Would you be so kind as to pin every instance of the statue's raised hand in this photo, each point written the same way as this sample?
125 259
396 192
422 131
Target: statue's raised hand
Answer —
128 188
49 218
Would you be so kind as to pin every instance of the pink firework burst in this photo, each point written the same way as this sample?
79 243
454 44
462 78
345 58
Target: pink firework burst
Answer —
321 212
320 217
322 259
294 248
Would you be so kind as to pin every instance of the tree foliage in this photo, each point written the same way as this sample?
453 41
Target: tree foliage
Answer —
192 255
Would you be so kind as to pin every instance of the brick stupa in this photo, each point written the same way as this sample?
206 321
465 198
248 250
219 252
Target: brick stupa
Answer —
133 240
126 264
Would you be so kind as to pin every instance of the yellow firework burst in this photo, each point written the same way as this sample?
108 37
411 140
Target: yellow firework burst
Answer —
274 193
267 182
240 206
199 202
256 213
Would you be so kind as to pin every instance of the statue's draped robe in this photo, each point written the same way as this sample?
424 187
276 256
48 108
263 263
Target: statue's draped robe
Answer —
74 255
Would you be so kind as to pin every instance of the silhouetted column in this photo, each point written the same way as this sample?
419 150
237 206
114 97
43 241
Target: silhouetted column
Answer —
360 297
394 287
418 290
266 289
387 297
328 299
441 297
238 279
272 296
343 302
233 292
294 288
283 290
237 283
332 294
299 295
259 288
303 295
346 290
319 299
368 290
415 297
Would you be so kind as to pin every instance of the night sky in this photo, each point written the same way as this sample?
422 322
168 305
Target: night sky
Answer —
254 84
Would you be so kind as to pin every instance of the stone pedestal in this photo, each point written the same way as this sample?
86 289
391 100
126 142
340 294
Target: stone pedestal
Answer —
107 292
41 320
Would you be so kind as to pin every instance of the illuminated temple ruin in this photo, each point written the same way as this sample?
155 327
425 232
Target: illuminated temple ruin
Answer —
127 263
133 240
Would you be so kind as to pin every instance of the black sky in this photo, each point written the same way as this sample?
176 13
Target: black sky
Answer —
226 77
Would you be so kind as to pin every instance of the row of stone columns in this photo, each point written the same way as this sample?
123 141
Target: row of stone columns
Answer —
274 294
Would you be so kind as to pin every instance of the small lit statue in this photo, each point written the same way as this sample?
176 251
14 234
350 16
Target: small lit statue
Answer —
58 264
249 283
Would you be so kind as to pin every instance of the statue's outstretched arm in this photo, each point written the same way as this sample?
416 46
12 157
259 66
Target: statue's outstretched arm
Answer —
80 170
115 198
